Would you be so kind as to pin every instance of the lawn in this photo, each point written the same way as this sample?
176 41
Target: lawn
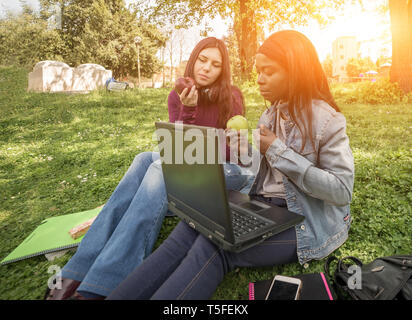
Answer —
61 154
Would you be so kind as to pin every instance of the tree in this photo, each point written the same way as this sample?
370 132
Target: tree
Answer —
327 65
356 66
179 43
232 45
401 27
103 32
382 59
248 16
26 40
108 39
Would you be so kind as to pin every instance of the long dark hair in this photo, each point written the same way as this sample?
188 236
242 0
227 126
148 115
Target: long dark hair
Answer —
221 91
307 80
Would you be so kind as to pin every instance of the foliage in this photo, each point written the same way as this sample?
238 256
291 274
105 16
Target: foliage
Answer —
356 66
92 31
285 12
383 59
26 40
108 39
103 32
327 66
248 17
380 92
48 140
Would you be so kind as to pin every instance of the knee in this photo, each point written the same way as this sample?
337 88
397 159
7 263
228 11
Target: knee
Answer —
156 166
144 158
226 262
234 178
217 256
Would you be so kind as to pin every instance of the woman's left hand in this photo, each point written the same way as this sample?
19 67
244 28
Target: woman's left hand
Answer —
265 136
237 142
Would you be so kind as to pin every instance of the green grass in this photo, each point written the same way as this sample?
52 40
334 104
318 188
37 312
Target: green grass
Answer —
47 141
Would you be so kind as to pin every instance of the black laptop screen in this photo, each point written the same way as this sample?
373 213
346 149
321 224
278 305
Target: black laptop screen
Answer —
198 186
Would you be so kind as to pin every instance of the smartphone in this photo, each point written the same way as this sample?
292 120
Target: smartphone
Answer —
284 288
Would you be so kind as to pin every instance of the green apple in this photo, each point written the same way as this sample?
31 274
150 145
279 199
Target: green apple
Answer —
237 122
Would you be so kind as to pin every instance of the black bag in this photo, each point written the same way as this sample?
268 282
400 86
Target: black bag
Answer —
386 278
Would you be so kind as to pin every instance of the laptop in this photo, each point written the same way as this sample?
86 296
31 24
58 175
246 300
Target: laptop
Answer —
192 168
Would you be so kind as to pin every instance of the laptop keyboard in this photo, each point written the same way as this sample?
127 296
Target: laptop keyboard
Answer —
244 224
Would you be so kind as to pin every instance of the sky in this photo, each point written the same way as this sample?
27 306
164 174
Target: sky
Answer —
14 5
366 25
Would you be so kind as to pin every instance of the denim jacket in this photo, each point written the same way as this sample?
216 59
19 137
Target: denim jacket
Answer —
318 181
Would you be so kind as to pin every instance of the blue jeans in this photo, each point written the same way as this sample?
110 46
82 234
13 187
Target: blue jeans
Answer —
127 228
187 265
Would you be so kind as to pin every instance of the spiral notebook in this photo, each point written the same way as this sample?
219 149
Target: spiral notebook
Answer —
50 236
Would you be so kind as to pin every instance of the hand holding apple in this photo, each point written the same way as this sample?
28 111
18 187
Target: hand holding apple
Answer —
182 83
237 122
236 135
186 89
238 143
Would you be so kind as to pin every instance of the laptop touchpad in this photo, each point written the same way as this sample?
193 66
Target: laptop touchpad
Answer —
253 206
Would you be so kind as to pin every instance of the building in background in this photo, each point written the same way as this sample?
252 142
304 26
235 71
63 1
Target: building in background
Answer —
343 49
384 70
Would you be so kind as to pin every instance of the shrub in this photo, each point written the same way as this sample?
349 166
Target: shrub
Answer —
380 92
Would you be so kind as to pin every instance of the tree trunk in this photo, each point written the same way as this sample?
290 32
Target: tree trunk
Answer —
171 49
245 28
62 7
163 66
401 27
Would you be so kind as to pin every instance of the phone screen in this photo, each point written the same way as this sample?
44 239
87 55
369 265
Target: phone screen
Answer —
283 291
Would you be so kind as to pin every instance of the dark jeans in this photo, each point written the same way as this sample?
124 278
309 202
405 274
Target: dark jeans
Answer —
189 266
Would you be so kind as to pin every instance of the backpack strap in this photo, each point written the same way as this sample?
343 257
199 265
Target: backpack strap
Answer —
326 267
336 277
354 259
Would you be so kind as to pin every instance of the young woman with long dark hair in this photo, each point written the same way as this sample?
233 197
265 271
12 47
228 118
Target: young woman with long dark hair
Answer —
305 164
126 229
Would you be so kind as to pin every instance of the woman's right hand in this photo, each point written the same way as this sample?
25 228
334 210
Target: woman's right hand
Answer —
238 143
189 98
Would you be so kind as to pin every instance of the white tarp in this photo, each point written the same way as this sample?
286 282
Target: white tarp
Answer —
55 76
